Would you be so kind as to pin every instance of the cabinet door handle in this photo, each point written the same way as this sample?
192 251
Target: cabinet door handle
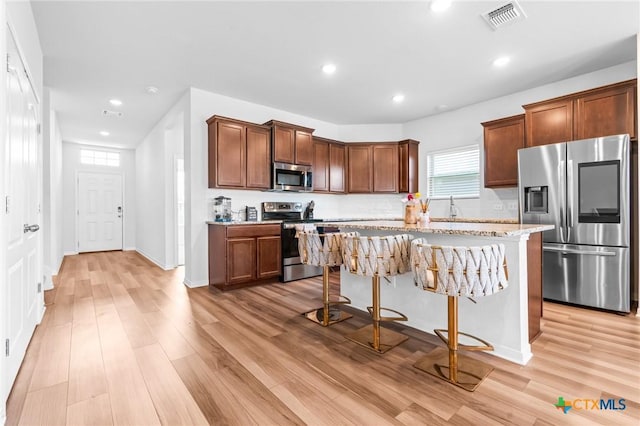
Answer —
30 228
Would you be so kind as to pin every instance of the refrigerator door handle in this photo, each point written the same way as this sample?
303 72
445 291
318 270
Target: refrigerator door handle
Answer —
574 251
570 185
561 186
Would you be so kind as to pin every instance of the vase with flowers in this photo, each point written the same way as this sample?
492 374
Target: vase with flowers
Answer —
416 209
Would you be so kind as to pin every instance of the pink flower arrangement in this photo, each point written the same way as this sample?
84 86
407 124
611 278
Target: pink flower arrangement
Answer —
413 198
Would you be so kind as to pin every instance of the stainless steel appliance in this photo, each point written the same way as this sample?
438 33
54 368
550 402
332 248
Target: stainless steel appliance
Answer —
291 215
583 188
292 177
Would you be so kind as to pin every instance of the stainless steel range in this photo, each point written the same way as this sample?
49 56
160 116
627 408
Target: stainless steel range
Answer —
291 214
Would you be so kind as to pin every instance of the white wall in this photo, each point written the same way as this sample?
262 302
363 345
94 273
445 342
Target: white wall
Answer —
53 252
462 127
155 238
202 106
71 163
21 22
451 129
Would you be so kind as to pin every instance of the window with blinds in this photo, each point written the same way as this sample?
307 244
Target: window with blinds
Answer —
454 172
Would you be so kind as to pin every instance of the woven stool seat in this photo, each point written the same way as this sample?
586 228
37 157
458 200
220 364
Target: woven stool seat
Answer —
377 257
324 250
458 272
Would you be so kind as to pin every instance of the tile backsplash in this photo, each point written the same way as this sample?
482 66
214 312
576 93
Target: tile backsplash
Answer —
500 204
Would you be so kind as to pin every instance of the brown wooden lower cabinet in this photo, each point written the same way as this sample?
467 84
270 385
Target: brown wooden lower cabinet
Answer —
268 265
243 255
534 283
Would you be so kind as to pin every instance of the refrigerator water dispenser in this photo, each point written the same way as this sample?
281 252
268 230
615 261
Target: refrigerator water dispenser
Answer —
536 199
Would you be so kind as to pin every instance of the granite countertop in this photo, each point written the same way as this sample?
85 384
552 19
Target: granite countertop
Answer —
245 222
433 219
451 228
340 221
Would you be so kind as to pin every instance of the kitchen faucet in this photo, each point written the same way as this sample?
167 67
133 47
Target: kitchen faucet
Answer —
453 210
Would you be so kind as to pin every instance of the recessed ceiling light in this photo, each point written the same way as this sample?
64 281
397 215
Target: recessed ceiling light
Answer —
398 98
329 69
440 5
104 133
115 102
152 90
501 61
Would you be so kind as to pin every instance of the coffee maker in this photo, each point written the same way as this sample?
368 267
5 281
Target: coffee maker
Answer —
222 209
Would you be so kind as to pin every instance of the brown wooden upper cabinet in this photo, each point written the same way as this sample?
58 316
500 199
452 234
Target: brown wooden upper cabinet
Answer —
502 140
291 143
385 167
603 111
360 166
408 165
328 165
382 167
239 154
337 167
606 111
549 122
320 165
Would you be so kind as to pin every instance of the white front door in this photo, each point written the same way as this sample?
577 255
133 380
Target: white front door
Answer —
23 293
100 211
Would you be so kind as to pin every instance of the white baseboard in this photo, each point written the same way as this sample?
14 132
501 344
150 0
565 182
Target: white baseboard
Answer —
129 249
47 271
154 261
71 253
195 284
44 309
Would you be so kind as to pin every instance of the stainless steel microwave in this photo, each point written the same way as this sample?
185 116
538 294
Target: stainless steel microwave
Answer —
292 177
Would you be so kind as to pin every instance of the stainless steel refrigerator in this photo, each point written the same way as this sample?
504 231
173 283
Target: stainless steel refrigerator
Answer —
583 188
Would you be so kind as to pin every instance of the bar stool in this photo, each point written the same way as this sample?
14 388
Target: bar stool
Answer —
458 272
377 257
324 250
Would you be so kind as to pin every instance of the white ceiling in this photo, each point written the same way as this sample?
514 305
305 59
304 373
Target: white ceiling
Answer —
271 53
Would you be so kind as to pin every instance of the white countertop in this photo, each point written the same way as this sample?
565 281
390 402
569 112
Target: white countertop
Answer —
451 228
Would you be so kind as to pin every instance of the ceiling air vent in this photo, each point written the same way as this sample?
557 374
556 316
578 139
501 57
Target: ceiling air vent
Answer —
108 113
504 15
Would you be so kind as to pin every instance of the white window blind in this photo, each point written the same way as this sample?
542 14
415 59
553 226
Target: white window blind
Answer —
454 172
99 158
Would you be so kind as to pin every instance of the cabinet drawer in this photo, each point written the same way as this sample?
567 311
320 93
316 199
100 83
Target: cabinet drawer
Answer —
234 231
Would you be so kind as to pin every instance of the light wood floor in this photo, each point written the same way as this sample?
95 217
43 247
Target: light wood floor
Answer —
123 342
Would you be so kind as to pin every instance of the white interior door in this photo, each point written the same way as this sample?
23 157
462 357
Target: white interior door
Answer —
22 206
100 211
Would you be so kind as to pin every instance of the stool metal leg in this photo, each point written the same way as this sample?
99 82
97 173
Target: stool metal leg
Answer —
452 332
373 336
327 316
447 364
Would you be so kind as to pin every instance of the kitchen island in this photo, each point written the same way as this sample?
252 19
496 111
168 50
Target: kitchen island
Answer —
509 320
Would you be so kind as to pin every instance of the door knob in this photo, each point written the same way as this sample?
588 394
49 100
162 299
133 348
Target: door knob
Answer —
30 228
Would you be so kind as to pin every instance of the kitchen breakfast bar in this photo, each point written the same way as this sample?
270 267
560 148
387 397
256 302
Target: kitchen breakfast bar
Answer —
509 320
